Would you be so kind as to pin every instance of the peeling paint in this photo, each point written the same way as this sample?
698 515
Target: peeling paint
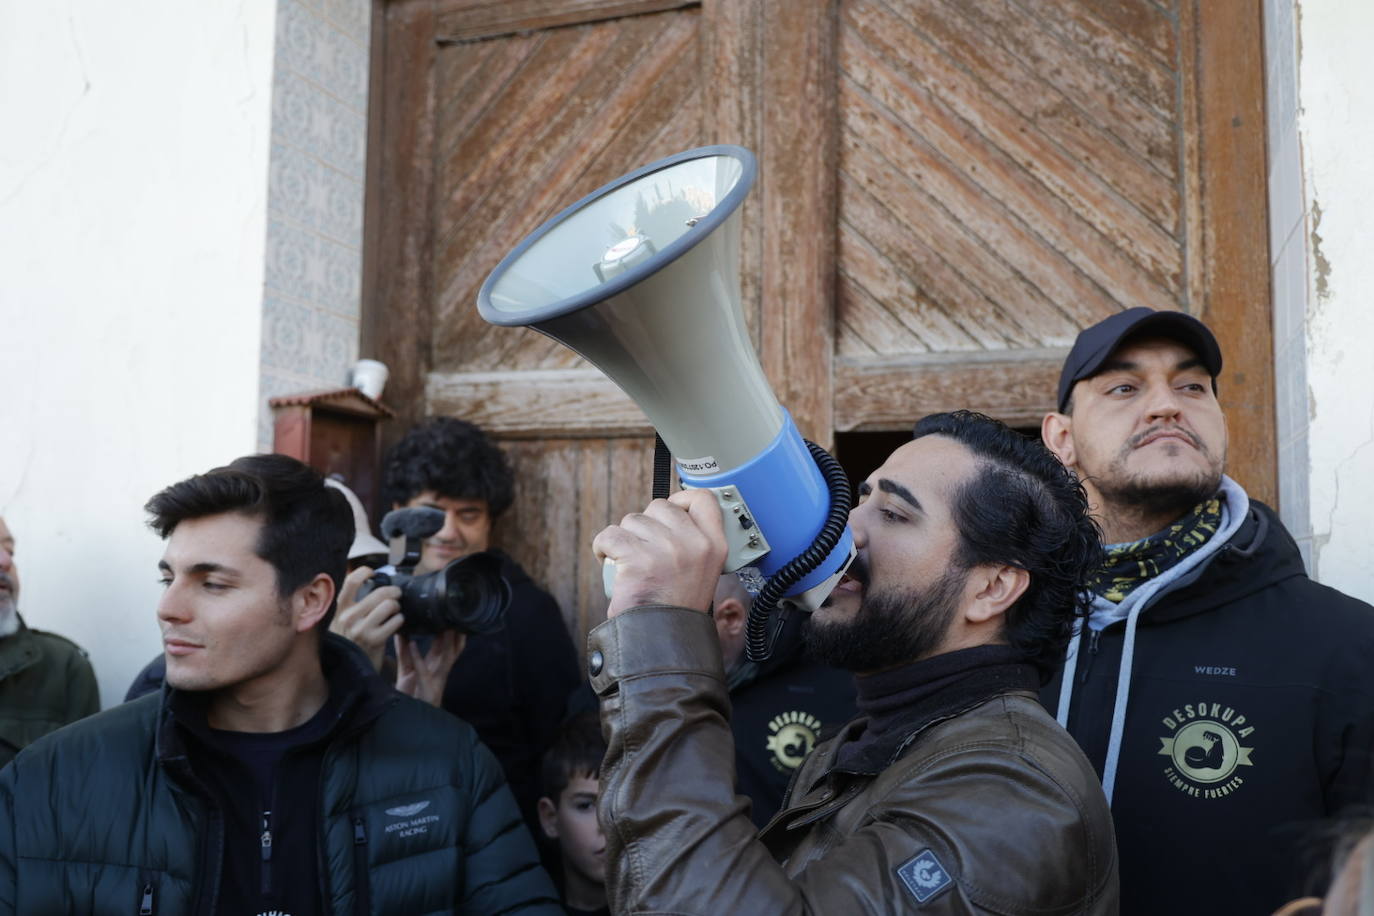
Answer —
1297 34
1321 267
1350 463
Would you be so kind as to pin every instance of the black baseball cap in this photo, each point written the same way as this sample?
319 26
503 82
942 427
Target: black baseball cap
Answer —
1098 342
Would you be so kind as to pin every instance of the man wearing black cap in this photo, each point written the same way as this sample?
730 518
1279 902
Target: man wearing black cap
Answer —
1226 698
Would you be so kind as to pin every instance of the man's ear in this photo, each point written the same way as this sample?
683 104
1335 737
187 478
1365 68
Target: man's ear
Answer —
311 602
548 817
729 615
1056 431
996 589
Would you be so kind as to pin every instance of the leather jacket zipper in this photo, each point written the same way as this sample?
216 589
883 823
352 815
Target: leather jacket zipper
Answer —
266 852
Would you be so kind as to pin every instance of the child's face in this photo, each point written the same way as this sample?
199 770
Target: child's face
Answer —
574 825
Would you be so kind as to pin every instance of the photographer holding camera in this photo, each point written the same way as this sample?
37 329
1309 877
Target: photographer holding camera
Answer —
512 683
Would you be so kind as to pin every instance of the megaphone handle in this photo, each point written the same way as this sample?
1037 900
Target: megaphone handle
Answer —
608 575
662 484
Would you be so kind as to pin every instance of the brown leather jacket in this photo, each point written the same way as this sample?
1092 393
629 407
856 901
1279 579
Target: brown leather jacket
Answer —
991 809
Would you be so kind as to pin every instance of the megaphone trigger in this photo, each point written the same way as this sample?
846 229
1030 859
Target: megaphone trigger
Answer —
743 536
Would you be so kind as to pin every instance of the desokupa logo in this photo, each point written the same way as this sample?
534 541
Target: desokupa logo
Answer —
1204 749
791 736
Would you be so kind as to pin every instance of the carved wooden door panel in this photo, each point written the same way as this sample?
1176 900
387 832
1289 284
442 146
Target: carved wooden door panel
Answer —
1012 171
948 191
488 118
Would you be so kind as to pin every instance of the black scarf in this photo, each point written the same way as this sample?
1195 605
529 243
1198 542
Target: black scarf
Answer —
900 702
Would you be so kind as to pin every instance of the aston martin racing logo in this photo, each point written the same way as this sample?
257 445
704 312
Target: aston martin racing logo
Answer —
1204 750
791 736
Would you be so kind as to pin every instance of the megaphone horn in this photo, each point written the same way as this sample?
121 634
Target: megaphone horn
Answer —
641 278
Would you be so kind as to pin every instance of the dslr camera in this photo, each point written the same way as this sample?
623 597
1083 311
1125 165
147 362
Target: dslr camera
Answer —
468 595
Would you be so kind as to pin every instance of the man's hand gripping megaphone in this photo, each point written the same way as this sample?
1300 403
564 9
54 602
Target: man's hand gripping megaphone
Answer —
671 553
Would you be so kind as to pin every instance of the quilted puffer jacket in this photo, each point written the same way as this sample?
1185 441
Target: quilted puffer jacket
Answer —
107 816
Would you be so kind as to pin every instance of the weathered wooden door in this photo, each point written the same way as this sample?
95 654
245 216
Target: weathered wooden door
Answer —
949 190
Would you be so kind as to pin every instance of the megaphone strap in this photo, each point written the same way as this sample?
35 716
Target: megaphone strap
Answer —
663 468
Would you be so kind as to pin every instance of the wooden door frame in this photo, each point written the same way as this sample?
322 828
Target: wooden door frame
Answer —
1230 283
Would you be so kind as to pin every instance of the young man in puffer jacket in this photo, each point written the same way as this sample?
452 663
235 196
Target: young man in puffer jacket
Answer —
275 771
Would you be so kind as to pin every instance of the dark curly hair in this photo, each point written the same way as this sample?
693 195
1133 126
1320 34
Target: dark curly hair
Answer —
1023 508
307 527
453 458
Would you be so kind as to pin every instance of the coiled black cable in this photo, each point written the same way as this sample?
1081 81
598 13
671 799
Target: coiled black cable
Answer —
759 638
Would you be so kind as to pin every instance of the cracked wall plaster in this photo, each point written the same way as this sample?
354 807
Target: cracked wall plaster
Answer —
1336 92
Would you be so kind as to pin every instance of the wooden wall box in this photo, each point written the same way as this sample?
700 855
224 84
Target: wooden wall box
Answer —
336 431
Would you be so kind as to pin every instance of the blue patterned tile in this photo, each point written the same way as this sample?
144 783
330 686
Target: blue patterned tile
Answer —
286 336
292 177
346 68
318 50
343 208
335 347
309 119
292 259
320 198
354 17
341 270
300 40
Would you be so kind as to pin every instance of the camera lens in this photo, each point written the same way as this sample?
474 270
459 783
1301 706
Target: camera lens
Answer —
469 595
475 594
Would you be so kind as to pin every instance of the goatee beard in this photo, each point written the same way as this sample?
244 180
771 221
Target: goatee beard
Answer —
1171 498
1164 499
890 628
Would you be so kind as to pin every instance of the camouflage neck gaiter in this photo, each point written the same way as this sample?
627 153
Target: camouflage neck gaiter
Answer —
1132 564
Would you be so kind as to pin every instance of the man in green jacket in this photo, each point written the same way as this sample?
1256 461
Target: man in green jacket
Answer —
45 680
275 771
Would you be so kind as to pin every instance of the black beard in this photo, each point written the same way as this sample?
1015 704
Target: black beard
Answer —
890 628
1174 498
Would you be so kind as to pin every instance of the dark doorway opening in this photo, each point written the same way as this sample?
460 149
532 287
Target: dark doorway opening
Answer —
860 454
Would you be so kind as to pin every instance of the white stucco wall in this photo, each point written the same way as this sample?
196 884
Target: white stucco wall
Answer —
133 213
1336 132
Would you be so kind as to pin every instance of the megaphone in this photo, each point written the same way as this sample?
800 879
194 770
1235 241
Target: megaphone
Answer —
641 278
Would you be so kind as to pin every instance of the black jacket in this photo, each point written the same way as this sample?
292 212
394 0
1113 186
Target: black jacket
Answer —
512 685
109 816
1250 720
779 713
